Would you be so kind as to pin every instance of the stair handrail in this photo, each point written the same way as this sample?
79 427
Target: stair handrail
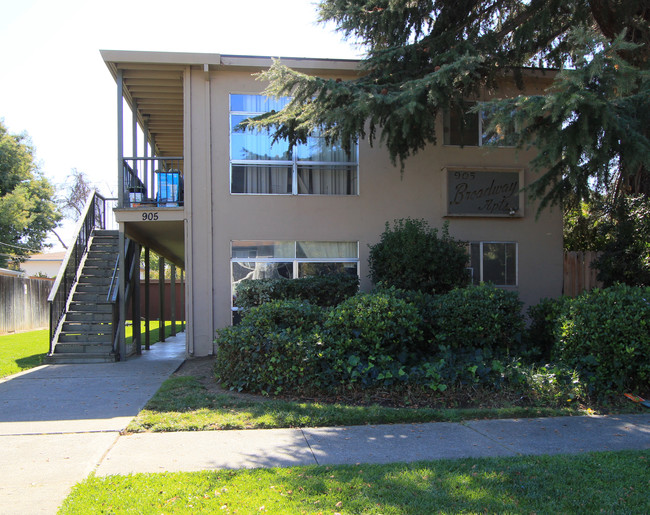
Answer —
113 292
93 214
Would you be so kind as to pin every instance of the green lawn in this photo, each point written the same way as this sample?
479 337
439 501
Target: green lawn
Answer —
183 404
23 351
615 482
154 331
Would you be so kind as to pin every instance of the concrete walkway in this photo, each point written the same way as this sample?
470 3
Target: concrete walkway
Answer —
59 423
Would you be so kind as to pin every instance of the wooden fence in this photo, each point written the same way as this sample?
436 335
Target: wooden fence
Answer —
23 303
578 273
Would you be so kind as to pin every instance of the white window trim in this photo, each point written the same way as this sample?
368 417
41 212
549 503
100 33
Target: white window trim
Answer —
294 163
295 261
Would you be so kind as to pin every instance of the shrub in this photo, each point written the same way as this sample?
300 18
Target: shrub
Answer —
325 290
411 256
605 334
483 317
275 348
541 333
426 306
369 337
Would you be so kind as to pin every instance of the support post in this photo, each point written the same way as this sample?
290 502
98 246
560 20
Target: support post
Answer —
183 299
147 281
161 291
120 203
172 299
121 296
135 300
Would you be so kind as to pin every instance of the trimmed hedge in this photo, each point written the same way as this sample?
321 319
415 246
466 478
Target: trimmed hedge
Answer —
368 337
274 348
325 290
605 334
480 317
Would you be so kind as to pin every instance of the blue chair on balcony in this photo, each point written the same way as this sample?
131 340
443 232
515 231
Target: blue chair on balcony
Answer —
170 188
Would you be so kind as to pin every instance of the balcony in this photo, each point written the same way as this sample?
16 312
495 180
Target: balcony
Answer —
152 204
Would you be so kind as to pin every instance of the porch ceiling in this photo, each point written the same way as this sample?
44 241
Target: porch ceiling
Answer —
154 91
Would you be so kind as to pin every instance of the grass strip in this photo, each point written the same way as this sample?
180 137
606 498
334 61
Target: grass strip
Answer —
610 482
154 331
22 351
184 404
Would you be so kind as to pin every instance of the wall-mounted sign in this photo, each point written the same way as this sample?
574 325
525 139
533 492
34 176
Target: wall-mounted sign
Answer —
483 193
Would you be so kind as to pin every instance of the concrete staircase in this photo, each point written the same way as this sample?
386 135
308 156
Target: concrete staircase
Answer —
87 332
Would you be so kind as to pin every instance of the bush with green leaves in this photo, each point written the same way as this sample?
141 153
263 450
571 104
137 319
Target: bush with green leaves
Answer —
324 290
412 256
480 317
541 332
370 337
274 349
605 335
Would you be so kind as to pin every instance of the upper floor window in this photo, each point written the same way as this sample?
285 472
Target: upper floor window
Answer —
258 166
472 129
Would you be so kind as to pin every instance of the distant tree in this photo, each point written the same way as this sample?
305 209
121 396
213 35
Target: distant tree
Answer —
27 209
77 188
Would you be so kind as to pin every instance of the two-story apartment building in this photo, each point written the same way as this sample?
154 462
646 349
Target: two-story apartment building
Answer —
226 205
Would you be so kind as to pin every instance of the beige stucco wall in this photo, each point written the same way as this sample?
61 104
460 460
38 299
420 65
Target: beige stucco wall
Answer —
215 217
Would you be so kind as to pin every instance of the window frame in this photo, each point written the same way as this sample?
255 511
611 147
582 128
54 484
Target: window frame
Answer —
295 261
481 244
446 129
294 163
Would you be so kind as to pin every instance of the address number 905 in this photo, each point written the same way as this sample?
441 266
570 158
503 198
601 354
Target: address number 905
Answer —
149 216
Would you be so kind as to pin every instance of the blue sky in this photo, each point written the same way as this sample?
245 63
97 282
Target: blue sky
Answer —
55 86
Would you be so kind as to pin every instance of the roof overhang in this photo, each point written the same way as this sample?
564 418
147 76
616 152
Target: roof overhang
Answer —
153 85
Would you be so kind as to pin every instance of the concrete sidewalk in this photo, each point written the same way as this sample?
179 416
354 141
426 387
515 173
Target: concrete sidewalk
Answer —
59 423
189 451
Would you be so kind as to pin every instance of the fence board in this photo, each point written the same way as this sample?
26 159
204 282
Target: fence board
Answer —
23 303
579 275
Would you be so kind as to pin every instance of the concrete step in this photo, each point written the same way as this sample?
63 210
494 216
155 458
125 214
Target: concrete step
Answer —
83 348
89 317
87 326
89 297
104 279
79 358
85 306
92 289
86 338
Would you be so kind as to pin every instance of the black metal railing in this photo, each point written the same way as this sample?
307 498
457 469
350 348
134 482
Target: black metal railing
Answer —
94 216
153 181
132 267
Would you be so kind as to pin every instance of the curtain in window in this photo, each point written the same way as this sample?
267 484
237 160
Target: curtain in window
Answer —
261 179
322 180
326 249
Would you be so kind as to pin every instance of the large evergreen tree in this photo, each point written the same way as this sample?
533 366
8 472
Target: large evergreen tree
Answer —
27 207
423 56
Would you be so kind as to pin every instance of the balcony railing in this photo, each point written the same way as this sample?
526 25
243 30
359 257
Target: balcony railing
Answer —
153 181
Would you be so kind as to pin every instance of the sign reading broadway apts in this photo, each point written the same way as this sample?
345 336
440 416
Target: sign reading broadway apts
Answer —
482 193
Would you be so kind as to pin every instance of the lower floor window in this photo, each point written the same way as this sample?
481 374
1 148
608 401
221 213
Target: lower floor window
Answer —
494 262
272 259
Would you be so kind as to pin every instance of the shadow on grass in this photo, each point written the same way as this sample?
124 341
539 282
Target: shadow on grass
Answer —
183 403
589 483
32 361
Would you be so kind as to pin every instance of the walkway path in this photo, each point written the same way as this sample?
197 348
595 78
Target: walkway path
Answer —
59 423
